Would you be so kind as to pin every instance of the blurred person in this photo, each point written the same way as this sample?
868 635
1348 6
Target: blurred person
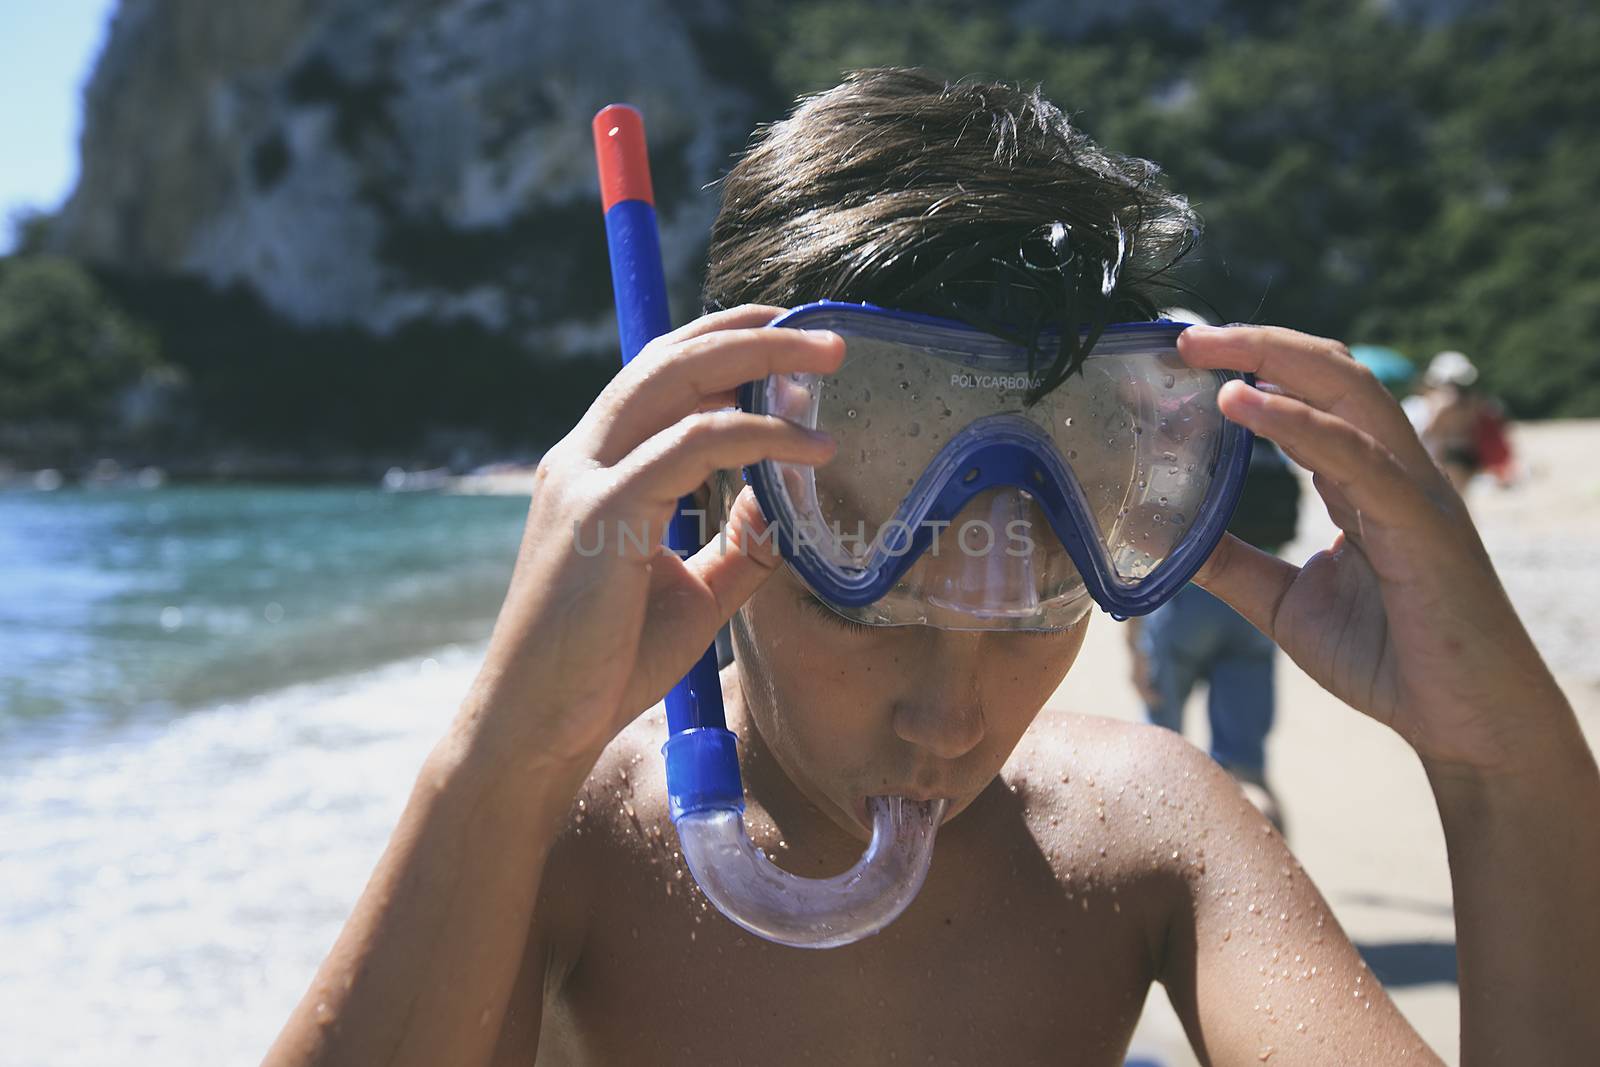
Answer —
530 905
1195 637
1463 429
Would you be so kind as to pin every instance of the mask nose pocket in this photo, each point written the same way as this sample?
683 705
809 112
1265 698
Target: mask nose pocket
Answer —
987 561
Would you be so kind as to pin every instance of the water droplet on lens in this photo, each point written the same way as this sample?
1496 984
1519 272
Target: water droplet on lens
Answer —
914 430
1168 380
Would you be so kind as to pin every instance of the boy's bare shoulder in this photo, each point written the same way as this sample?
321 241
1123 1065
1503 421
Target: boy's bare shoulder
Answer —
621 808
619 812
1125 800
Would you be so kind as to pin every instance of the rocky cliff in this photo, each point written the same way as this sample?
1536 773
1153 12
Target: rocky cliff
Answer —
373 163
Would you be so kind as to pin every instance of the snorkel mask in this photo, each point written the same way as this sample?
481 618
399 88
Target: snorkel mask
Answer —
960 500
956 498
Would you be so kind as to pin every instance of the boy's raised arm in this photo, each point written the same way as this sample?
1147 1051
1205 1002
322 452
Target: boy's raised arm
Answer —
1404 619
598 624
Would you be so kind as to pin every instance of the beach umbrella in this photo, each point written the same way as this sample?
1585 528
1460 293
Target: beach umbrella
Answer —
1389 365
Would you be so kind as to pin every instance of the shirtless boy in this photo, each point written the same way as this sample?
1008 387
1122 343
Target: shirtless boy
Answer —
532 906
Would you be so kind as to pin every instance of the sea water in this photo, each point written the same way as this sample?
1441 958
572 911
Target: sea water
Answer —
212 706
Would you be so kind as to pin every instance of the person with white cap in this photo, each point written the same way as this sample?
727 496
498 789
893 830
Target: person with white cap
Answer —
1463 429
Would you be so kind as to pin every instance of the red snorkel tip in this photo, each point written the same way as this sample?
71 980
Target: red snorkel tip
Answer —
619 150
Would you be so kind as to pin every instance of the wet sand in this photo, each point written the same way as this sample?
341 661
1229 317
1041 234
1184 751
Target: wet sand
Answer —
1359 812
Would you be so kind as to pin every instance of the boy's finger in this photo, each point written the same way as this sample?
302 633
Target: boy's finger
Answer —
1250 581
1315 369
742 317
679 459
659 388
1340 510
1368 475
735 564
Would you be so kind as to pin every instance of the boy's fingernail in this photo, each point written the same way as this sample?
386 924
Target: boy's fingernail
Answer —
1245 393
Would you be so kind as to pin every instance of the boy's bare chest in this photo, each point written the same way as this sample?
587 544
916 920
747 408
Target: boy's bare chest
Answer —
988 965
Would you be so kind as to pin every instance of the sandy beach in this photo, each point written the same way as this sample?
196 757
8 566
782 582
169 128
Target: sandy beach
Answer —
1358 810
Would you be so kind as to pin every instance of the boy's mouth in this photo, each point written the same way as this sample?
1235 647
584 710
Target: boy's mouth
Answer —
921 796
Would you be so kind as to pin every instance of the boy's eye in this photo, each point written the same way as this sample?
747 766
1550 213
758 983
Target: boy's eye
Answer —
809 599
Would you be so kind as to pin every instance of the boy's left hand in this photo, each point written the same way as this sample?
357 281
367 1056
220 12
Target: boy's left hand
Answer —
1402 616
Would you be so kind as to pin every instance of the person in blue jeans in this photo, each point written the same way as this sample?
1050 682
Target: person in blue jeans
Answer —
1197 638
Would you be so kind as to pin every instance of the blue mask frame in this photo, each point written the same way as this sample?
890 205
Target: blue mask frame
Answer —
1006 451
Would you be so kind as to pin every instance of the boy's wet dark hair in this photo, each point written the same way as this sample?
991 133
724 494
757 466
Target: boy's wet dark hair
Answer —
972 199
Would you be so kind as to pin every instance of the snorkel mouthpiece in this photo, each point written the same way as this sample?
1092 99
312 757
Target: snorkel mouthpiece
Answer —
770 902
702 760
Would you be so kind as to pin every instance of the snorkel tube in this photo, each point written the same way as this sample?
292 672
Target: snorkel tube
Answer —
703 784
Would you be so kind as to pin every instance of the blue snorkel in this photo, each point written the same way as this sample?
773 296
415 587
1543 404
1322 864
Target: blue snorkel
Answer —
702 761
703 784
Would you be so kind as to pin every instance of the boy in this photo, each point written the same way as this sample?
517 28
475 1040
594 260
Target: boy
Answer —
532 905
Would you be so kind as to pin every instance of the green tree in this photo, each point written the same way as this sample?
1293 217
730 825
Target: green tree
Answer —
65 350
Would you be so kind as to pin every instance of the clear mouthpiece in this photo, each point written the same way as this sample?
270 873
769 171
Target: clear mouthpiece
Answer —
770 902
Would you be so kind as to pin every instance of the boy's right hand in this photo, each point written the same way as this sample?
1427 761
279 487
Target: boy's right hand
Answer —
600 619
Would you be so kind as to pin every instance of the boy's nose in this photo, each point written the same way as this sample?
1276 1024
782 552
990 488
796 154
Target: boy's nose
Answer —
944 714
947 729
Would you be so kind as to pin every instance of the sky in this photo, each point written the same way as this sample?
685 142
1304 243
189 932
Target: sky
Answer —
47 51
